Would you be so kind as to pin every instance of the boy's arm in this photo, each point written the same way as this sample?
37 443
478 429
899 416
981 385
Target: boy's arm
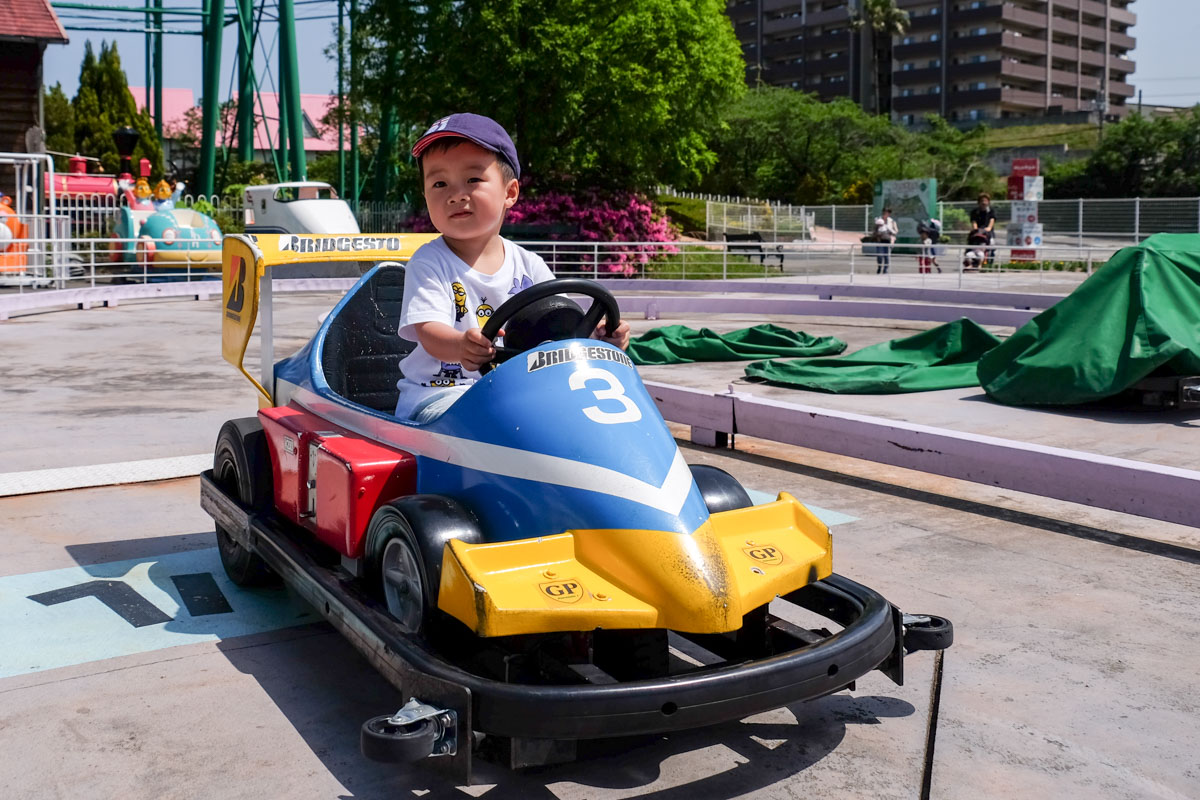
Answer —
470 348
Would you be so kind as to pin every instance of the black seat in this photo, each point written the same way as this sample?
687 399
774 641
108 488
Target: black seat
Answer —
362 352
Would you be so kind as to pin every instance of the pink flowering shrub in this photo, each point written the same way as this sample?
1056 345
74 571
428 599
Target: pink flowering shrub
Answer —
620 217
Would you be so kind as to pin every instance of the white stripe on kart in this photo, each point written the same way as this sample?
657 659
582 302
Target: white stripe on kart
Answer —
509 462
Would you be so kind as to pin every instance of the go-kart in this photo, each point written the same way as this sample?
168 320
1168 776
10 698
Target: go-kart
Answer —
539 565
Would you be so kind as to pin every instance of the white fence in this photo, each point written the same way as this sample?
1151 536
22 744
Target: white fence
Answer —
1081 222
64 262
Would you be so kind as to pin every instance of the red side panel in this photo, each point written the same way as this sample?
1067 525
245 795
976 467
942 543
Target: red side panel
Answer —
289 432
330 480
355 476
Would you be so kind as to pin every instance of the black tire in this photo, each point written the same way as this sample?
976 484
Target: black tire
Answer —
242 467
721 491
937 634
422 524
382 741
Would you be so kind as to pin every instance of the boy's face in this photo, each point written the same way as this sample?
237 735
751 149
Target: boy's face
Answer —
466 192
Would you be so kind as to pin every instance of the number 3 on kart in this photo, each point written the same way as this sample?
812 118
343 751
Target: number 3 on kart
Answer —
615 391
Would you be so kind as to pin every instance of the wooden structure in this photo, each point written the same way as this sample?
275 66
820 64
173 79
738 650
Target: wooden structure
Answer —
26 27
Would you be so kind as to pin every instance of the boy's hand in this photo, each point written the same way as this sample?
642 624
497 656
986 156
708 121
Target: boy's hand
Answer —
475 349
619 338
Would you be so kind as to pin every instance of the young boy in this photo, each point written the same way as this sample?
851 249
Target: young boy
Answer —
469 170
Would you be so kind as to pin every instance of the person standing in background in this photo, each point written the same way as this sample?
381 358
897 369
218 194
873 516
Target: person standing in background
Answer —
885 236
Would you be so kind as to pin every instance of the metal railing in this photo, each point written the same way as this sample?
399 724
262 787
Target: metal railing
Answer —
62 262
1080 222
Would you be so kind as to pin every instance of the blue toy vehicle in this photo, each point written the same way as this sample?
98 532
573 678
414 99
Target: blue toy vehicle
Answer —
540 564
173 239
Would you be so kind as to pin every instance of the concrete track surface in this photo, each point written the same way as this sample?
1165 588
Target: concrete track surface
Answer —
131 668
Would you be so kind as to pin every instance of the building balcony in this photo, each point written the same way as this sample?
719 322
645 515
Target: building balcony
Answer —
1120 89
1015 15
788 26
1124 65
1029 72
1022 44
916 103
911 77
776 51
976 16
904 52
1122 40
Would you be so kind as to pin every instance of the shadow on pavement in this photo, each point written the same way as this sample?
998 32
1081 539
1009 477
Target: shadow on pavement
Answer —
326 691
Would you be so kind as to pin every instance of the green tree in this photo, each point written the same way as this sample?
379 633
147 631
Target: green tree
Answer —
60 124
621 95
1138 157
785 145
884 21
102 105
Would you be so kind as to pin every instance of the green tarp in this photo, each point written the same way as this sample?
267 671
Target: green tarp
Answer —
942 358
679 344
1139 313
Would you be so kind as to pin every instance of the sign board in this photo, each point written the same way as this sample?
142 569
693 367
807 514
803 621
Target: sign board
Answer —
1026 167
911 202
1026 188
1025 239
1024 212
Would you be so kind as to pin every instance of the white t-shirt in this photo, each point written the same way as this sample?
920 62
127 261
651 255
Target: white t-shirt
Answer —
440 287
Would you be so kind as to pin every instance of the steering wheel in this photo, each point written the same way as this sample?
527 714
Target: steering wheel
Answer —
603 304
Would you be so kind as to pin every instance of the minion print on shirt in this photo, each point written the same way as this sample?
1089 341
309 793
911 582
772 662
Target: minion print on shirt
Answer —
449 375
484 312
460 300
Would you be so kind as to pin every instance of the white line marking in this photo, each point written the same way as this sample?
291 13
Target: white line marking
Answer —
57 480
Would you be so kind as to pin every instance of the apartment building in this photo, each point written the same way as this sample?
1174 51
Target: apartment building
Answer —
964 59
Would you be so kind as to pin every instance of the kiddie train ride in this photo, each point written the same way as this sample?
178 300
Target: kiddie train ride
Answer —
147 228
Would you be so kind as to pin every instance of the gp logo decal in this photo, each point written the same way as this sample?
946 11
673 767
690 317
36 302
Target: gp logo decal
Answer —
566 591
764 554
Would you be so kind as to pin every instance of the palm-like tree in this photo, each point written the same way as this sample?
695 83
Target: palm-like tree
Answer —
885 21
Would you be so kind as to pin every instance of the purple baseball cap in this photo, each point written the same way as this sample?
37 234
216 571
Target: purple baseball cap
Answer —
483 131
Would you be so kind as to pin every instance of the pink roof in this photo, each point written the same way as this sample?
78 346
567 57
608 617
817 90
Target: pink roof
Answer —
176 102
31 20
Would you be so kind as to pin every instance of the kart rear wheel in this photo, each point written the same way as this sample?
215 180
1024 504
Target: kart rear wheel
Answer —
242 467
384 741
720 490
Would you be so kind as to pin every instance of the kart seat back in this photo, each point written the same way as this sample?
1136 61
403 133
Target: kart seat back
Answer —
362 352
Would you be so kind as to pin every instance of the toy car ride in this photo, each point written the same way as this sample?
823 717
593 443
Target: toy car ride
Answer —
540 565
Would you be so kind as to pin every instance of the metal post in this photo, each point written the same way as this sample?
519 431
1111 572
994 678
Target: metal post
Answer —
295 115
158 72
832 223
851 263
245 110
355 88
213 27
266 327
341 66
1079 222
1137 219
148 44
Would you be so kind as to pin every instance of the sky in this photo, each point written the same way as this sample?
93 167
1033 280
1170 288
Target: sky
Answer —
1166 32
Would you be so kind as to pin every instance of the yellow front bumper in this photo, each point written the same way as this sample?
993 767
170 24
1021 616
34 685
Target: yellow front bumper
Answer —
703 582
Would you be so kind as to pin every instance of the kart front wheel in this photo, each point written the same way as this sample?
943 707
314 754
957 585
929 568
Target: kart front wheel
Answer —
383 740
242 467
404 545
720 490
403 584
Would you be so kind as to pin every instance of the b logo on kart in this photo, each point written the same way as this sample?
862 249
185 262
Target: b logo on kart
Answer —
237 296
568 591
764 554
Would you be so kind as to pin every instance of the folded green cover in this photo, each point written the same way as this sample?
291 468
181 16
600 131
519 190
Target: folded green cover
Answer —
942 358
679 344
1140 313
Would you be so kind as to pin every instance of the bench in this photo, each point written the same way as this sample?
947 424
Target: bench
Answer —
752 244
